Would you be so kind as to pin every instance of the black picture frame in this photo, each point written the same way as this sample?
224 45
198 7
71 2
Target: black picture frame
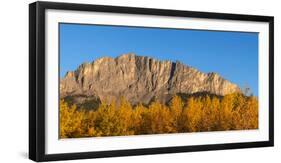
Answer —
37 80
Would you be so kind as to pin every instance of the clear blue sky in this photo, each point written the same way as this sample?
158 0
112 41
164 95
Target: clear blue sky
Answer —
233 55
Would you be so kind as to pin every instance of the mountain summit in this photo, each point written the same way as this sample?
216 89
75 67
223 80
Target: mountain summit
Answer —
140 79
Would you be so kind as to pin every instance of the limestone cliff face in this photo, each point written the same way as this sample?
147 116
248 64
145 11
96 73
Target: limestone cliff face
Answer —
139 79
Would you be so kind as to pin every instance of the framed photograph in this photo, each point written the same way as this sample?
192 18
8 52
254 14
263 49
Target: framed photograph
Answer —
110 81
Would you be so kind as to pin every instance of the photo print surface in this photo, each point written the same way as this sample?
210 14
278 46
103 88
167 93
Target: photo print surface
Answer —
122 80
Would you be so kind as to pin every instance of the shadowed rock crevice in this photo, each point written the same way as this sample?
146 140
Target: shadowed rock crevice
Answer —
173 69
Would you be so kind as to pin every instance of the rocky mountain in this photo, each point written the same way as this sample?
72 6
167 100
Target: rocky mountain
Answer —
139 79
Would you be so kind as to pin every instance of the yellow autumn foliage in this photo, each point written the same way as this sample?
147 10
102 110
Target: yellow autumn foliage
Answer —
196 114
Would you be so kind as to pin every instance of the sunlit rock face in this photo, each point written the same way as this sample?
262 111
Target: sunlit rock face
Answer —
139 79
